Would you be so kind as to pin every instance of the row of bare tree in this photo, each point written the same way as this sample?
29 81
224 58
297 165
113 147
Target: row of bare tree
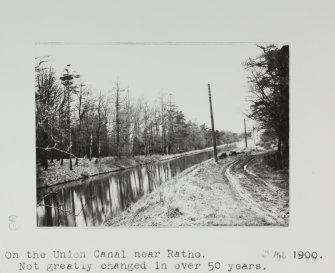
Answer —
72 121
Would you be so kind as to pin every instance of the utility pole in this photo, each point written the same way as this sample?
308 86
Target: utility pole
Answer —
212 120
245 135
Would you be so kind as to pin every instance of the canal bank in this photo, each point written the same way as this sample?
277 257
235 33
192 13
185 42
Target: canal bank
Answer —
89 202
239 190
199 196
58 174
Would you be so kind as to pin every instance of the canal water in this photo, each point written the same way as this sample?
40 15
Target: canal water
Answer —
88 202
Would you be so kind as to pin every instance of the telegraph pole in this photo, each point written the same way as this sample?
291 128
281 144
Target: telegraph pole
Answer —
212 119
245 135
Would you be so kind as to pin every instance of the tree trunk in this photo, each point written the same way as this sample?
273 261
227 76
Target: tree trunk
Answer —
91 142
61 154
69 129
45 160
45 153
279 151
285 151
117 123
106 137
51 157
99 144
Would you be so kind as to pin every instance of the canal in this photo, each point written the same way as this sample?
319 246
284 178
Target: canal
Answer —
88 202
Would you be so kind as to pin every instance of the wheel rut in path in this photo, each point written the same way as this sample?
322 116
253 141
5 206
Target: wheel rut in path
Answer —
264 197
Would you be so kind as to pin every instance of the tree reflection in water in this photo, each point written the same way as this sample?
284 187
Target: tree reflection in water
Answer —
89 202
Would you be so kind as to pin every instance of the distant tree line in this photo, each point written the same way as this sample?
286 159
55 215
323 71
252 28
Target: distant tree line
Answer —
269 96
72 121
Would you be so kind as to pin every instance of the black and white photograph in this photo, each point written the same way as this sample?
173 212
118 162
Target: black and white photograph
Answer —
162 134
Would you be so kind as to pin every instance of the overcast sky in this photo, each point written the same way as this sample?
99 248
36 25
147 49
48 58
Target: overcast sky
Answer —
182 70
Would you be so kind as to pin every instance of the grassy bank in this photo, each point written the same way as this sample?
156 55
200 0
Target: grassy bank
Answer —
199 196
56 174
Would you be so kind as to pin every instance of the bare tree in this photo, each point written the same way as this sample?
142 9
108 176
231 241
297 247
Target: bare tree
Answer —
269 94
47 100
100 106
67 80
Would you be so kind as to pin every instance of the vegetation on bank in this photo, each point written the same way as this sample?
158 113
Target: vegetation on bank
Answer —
75 121
269 97
57 173
199 196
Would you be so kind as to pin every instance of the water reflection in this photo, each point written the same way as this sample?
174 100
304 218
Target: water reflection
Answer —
89 202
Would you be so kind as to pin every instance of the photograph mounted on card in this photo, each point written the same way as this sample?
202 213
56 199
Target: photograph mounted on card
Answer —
162 134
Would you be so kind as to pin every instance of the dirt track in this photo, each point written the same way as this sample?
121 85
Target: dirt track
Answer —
237 191
265 190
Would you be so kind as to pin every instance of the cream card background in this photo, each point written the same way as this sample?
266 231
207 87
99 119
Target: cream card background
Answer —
309 29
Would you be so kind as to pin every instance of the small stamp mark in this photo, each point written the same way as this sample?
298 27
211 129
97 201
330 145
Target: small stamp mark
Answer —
12 222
